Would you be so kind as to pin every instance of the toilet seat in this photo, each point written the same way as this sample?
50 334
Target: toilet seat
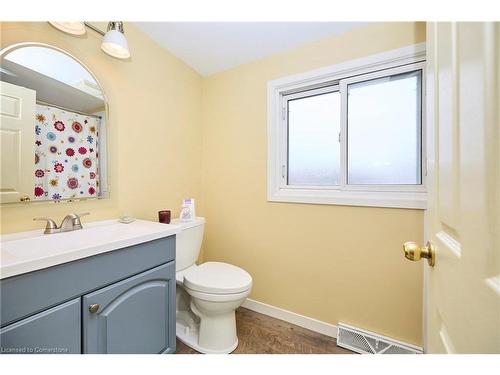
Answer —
217 278
211 297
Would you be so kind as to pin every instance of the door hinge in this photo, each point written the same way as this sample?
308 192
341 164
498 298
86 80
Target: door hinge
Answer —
283 170
283 113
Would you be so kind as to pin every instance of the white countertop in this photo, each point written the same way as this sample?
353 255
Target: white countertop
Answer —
30 251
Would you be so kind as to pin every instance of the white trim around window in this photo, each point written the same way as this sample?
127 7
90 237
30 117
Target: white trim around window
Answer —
336 78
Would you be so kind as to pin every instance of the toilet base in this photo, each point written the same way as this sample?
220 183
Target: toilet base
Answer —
189 336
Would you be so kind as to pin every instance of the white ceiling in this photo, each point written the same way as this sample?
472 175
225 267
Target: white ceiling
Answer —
212 47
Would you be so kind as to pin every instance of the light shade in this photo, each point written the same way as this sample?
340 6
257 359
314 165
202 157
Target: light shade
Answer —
114 42
70 27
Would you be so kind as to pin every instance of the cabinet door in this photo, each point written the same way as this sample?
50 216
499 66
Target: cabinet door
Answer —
54 331
136 315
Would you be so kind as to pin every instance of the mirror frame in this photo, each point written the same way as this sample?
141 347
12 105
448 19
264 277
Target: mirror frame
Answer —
104 143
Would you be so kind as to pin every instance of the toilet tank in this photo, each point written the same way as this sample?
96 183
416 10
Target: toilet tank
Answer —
188 242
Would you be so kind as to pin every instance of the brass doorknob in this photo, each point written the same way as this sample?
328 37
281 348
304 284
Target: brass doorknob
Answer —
94 308
414 252
25 198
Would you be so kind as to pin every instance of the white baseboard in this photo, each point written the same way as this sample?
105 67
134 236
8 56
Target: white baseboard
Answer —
291 317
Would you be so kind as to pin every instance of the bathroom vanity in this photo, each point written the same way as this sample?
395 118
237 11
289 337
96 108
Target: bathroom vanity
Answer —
108 288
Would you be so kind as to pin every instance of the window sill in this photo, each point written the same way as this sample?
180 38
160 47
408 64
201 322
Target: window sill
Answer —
388 199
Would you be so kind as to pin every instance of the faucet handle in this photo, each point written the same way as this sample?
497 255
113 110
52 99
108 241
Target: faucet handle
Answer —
78 216
51 226
76 220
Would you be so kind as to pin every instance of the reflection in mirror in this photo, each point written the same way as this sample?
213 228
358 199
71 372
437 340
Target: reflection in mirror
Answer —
52 127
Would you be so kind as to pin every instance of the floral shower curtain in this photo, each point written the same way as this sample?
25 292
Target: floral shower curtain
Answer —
66 154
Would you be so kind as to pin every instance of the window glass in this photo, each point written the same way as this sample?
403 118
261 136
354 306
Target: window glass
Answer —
313 140
384 130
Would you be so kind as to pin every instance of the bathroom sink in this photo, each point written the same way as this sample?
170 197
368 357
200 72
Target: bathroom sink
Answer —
30 251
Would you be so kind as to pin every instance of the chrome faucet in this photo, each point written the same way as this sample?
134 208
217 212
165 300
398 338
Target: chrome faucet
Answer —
69 223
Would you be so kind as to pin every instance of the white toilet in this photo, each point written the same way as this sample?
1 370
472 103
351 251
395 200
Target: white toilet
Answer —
207 295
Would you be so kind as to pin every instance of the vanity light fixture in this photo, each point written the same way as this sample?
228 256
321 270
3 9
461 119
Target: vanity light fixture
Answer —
70 27
114 42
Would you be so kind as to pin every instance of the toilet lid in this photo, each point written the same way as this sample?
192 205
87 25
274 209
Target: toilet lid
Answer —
217 278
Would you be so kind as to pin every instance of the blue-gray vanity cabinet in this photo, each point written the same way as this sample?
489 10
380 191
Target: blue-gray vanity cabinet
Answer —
30 293
53 331
134 286
136 315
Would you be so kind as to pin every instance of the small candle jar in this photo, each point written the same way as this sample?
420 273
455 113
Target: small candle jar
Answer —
164 216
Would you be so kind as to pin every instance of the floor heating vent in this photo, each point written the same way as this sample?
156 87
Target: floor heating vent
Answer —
365 342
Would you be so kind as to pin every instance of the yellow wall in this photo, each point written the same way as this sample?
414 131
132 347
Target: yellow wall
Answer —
154 127
327 262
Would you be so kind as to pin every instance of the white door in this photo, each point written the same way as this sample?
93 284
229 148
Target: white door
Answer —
17 141
463 219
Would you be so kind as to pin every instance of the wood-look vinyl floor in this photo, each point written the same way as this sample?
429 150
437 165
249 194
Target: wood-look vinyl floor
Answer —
261 334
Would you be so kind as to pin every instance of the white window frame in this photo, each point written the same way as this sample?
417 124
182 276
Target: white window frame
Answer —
325 79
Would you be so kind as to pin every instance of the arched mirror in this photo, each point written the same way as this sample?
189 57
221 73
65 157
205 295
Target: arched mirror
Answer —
52 127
